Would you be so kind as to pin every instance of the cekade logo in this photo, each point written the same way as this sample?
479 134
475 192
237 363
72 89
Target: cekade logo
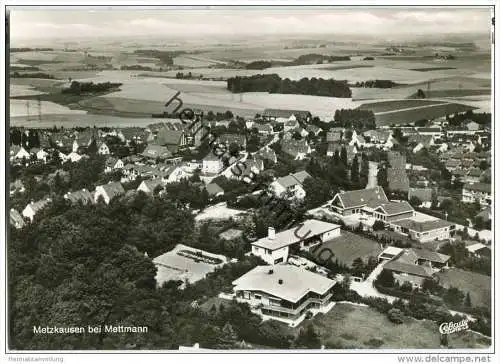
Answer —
451 327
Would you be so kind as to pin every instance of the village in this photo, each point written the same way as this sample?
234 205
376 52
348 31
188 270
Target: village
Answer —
398 215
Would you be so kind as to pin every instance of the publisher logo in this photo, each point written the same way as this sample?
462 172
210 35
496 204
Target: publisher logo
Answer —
451 327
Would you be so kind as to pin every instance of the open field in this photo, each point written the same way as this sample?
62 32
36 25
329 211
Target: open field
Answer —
406 116
382 106
478 285
350 246
359 327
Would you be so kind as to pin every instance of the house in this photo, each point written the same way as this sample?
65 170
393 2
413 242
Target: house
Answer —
83 196
214 190
290 125
133 134
485 214
284 292
310 128
389 253
177 173
73 157
20 153
16 186
108 191
16 219
35 207
480 192
153 151
41 155
297 149
473 126
352 202
396 160
377 136
212 164
434 132
274 248
332 148
423 194
112 164
174 136
479 250
149 186
398 180
473 176
291 185
391 211
357 140
282 116
424 231
103 149
245 171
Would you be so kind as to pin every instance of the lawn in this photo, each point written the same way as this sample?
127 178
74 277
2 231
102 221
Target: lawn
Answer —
348 247
357 327
478 285
383 106
410 116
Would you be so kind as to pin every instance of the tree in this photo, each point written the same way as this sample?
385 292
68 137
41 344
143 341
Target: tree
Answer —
358 267
378 225
467 301
308 338
406 287
343 155
355 172
420 94
227 338
385 278
382 178
395 315
415 201
317 190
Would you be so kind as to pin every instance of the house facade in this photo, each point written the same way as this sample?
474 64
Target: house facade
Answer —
353 202
480 192
424 231
291 185
108 192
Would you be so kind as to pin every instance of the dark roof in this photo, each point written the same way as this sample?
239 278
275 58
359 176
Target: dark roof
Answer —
479 187
431 256
293 179
398 179
333 136
83 196
412 269
168 136
293 147
428 130
357 198
113 189
423 194
156 151
395 208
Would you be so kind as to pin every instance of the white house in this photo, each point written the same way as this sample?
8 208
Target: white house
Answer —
108 191
274 248
22 153
112 164
42 155
290 185
74 157
150 185
34 207
212 164
284 293
103 149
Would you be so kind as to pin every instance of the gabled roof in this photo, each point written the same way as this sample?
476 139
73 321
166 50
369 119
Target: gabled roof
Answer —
151 184
479 187
39 205
83 196
308 228
423 194
293 179
213 189
111 161
16 219
156 151
113 189
430 255
333 136
286 282
423 226
374 196
169 136
293 147
475 247
398 179
232 138
412 269
396 208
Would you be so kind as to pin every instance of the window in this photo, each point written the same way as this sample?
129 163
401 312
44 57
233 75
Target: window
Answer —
279 260
257 297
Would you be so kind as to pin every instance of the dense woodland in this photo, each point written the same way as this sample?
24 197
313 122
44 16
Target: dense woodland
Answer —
274 84
354 118
79 88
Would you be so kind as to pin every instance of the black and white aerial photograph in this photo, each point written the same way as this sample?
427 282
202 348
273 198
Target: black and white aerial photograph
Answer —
249 179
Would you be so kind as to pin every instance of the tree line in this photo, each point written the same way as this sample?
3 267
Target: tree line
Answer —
354 118
78 88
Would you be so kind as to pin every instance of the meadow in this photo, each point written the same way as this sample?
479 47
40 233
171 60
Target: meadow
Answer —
478 285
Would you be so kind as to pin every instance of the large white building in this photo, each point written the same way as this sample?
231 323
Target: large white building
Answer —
274 248
284 292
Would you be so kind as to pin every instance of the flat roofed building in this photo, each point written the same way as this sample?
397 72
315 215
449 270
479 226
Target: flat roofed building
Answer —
424 231
283 291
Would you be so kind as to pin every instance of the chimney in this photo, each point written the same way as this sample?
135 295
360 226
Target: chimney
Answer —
196 346
280 281
271 271
271 233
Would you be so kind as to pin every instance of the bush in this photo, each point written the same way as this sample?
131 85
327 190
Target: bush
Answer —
378 225
395 315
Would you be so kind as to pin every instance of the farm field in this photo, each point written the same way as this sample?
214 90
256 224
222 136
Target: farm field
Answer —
356 327
19 108
382 106
350 246
405 116
478 285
